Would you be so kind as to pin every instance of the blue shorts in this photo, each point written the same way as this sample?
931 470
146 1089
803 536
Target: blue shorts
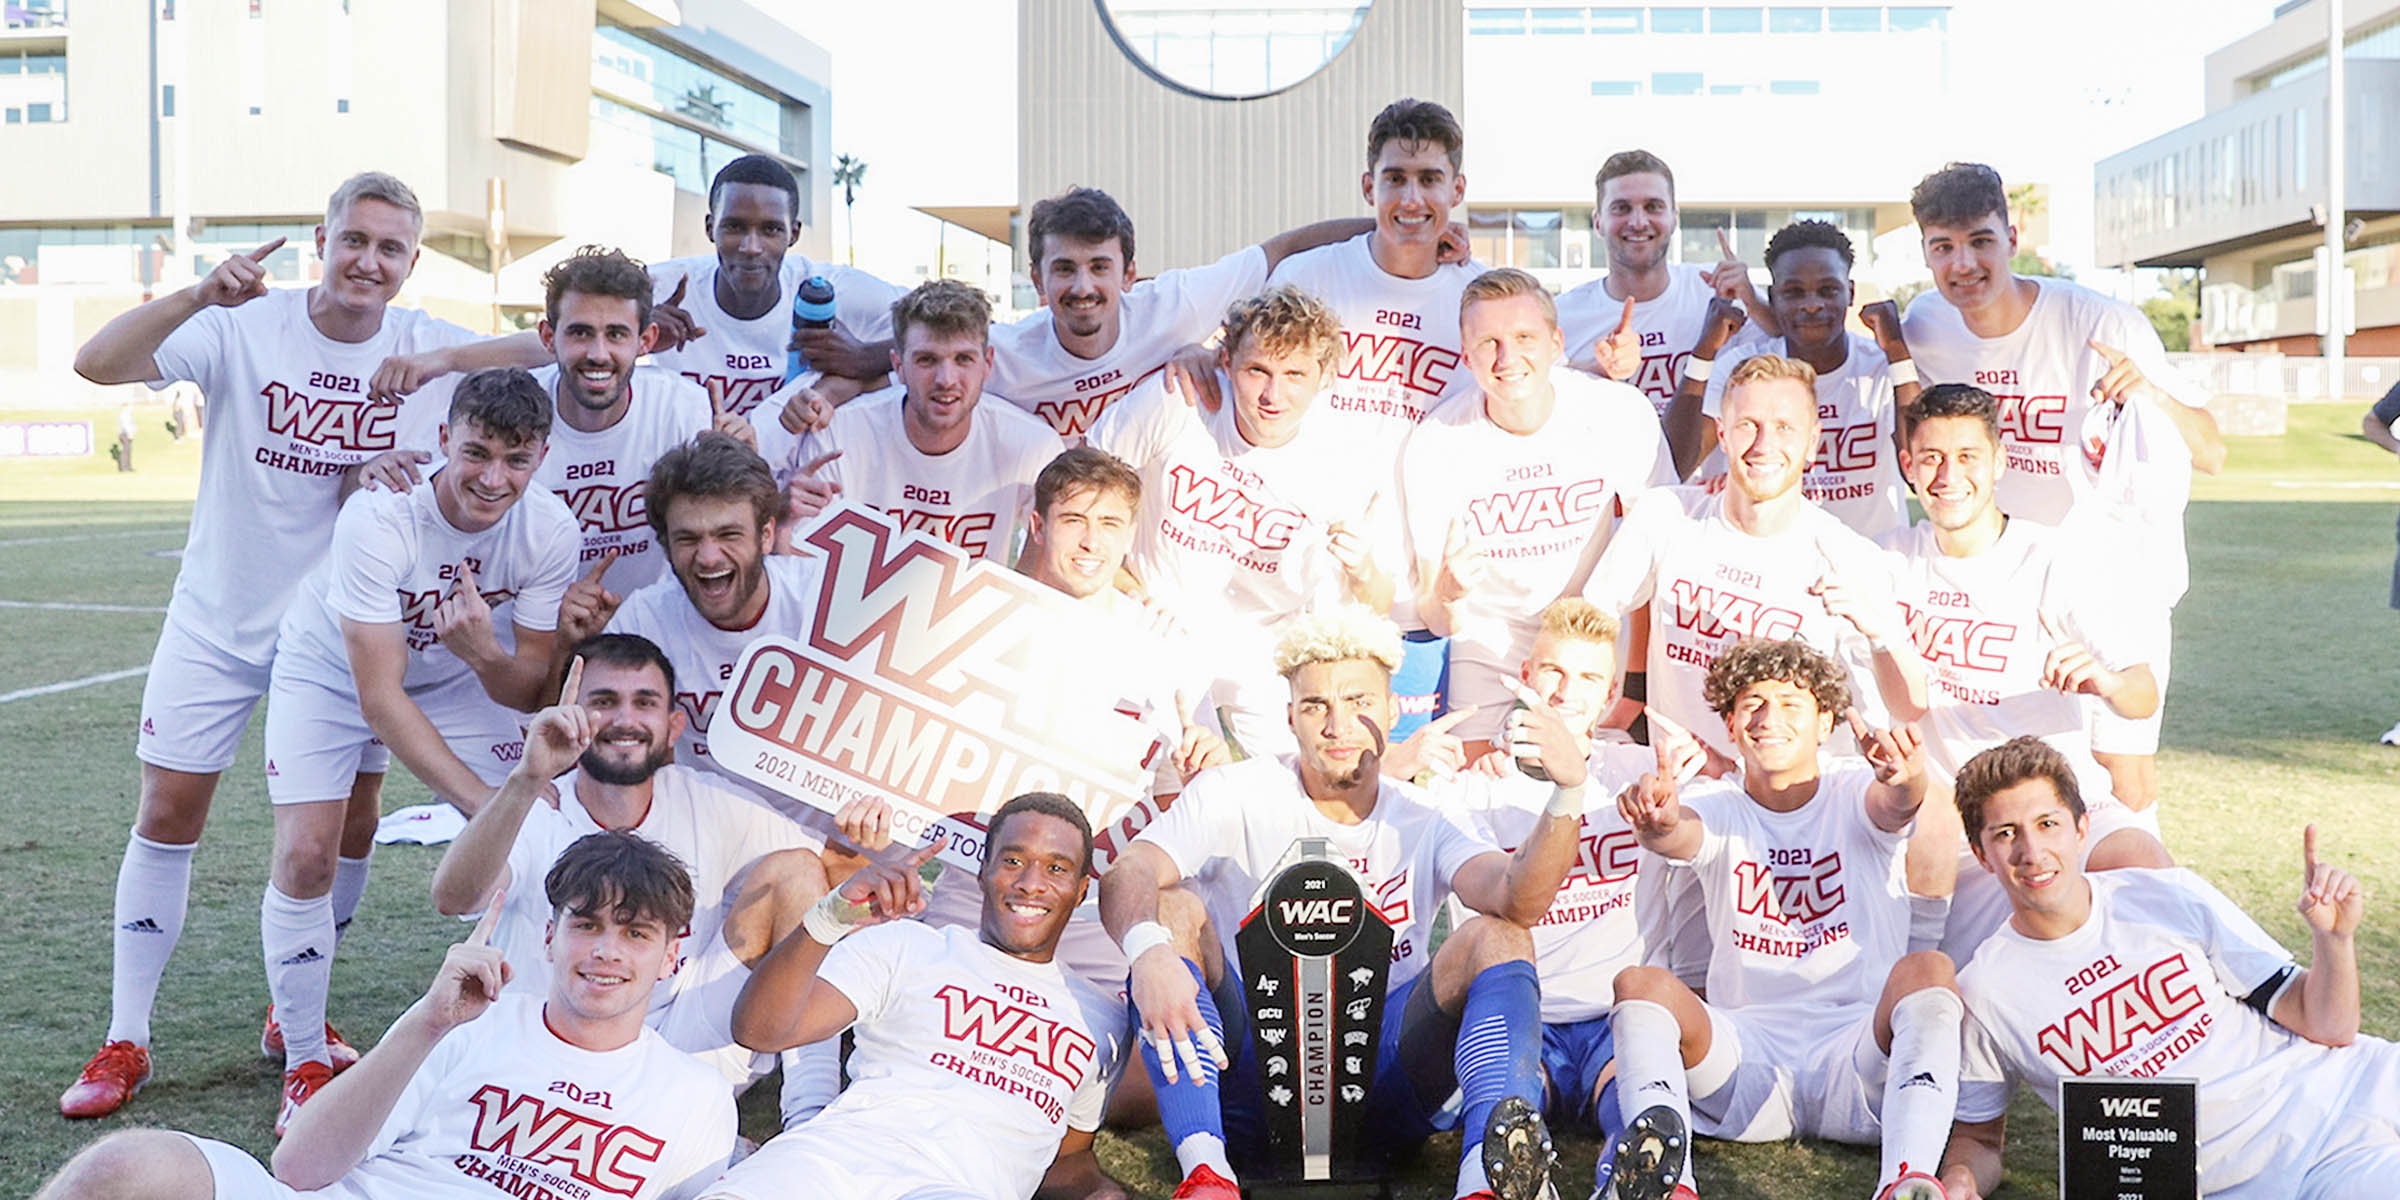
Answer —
1415 1072
1573 1055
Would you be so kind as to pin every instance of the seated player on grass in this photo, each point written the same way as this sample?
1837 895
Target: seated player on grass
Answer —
2147 974
1818 1021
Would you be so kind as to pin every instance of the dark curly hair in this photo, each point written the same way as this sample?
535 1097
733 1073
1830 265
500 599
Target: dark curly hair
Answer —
1802 235
1958 194
1753 660
1952 400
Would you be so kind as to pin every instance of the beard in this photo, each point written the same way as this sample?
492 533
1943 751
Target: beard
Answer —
623 774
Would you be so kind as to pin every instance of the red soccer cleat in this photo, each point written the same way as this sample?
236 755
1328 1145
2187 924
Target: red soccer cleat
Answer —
1205 1184
341 1054
300 1083
108 1081
1912 1185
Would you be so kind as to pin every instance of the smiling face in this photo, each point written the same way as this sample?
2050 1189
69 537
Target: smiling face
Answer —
1954 465
752 227
717 549
485 474
1811 296
1340 713
1413 188
634 722
368 252
1769 430
596 340
1082 280
1511 342
1636 219
603 965
1777 726
1033 877
1970 261
1078 544
2033 844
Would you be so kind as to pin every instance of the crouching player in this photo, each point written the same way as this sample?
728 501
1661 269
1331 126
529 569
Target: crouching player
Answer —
2156 973
461 1096
1468 1020
1818 1022
979 1059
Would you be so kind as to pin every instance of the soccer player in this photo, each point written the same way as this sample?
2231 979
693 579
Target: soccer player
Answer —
611 735
1862 381
2066 363
614 418
1637 322
2379 426
1756 560
2156 973
926 450
1509 491
979 1061
1465 1019
396 640
290 432
463 1094
1257 510
1818 1021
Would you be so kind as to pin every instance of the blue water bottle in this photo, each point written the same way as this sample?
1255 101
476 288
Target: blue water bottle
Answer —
812 308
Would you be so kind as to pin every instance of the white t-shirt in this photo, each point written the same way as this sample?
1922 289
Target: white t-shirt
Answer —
1234 825
287 413
392 561
1155 318
1590 932
502 1103
602 476
715 830
1709 584
1537 505
1669 327
976 497
1809 907
704 655
2042 373
970 1062
1400 343
742 362
1985 624
2152 985
1853 476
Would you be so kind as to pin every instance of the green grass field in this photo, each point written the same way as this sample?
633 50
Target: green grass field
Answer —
2282 680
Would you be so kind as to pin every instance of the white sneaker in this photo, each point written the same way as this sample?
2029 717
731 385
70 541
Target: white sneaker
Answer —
2391 737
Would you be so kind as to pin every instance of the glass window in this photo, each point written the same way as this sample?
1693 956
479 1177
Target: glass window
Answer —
1795 20
1616 87
1793 87
1248 50
12 64
1855 20
166 100
1675 83
1487 235
39 113
45 64
1616 20
1554 20
1675 20
1495 21
16 116
1737 20
1537 236
1914 20
650 75
1733 89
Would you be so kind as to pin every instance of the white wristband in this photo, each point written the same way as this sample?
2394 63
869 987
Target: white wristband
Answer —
1902 372
1143 938
832 918
1697 369
1566 803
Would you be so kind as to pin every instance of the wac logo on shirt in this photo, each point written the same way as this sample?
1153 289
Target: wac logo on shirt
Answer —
335 424
1221 505
1715 612
608 508
1960 641
1016 1032
613 1158
2088 1039
1659 374
971 532
736 396
1390 358
1558 506
1605 857
1073 418
698 707
1790 899
1847 447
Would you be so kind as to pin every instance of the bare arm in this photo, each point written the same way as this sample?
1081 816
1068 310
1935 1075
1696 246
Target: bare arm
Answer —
1309 237
1519 887
2199 429
1971 1163
1690 434
125 350
379 662
475 864
1129 891
1075 1174
2321 1004
784 1004
1901 781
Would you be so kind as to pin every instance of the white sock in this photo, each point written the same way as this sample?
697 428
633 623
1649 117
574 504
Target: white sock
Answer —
2146 820
1920 1088
1204 1150
1650 1065
812 1077
1928 916
297 937
349 883
154 887
1471 1178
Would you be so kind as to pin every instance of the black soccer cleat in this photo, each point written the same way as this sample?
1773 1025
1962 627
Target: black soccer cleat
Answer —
1517 1156
1649 1157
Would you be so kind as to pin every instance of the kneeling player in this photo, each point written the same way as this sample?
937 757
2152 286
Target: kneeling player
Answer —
1467 1019
2155 973
1818 1022
462 1094
979 1059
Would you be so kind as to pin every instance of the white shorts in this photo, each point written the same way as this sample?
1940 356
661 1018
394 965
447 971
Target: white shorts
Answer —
195 703
317 740
822 1158
2112 734
1820 1078
237 1175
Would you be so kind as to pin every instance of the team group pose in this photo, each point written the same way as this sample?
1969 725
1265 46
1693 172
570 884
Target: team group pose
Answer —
1748 810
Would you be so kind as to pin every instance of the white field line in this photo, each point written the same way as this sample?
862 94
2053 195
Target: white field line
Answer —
89 537
71 606
68 685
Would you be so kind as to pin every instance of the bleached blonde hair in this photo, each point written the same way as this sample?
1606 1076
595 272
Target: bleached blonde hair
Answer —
1575 619
1337 635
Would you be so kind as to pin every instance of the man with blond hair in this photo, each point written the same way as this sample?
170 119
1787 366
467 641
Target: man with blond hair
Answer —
1466 1018
1509 492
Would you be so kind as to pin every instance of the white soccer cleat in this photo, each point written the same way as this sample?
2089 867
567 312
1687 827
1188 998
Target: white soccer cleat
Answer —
2391 737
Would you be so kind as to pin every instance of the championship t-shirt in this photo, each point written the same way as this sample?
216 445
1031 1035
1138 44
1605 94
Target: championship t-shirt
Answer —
740 363
287 414
503 1106
1155 318
603 475
1854 476
975 497
1235 825
1538 506
1400 344
393 560
1669 326
2151 985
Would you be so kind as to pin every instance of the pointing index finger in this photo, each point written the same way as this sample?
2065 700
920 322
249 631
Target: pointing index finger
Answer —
260 255
813 465
491 919
2308 851
599 569
1449 720
1625 322
676 297
923 856
1725 243
2111 353
569 691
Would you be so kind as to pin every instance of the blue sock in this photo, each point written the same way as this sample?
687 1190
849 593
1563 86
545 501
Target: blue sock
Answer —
1189 1106
1612 1123
1499 1045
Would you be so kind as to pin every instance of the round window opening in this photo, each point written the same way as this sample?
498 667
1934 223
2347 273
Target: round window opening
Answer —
1232 50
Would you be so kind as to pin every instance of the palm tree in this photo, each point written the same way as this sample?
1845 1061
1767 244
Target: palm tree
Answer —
850 172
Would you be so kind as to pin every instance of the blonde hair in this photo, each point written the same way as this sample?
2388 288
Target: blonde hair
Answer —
1500 283
373 185
1283 319
1759 367
1575 619
1342 634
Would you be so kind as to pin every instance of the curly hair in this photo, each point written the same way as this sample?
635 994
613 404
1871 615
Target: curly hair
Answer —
1337 635
713 466
1755 660
2005 766
1804 235
1283 319
1958 194
598 271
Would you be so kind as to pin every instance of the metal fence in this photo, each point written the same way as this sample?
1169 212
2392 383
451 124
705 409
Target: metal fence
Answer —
2295 379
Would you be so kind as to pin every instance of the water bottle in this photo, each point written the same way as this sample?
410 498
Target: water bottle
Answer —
812 308
1529 766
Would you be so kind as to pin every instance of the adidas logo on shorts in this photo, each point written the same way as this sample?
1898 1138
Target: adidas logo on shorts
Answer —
1920 1079
145 925
303 958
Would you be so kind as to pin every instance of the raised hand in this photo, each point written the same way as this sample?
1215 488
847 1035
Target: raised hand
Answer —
471 975
728 422
1620 353
238 280
1896 754
888 891
1650 805
1463 568
806 412
2071 668
866 822
558 735
1350 543
832 352
1199 747
1882 319
464 622
392 470
588 604
1873 616
2123 381
809 493
675 326
2331 900
1731 277
1192 374
1536 733
1431 748
1454 246
1725 318
1168 999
